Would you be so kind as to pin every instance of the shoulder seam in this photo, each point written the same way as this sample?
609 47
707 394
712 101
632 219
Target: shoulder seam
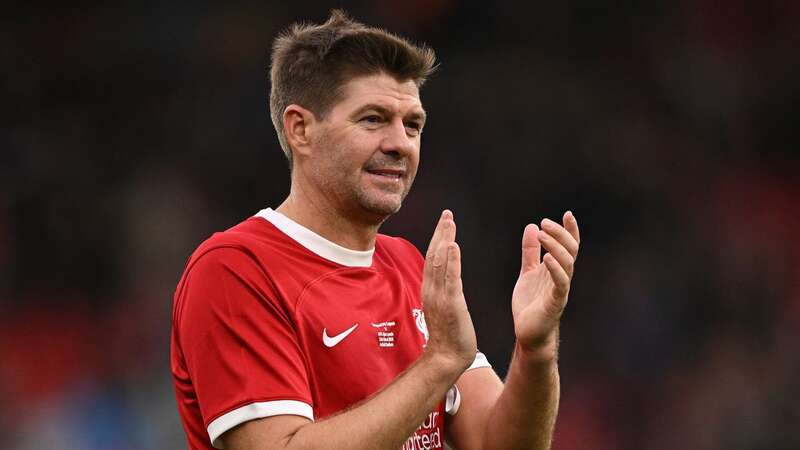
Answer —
197 257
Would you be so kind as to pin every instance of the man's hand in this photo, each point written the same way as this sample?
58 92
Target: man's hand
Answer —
540 294
521 412
388 418
452 336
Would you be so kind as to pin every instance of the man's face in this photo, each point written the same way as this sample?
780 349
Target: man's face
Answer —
366 151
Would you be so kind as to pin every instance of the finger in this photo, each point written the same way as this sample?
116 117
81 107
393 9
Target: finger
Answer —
571 224
531 248
439 269
561 235
443 222
449 230
443 254
453 284
437 233
557 251
447 236
560 277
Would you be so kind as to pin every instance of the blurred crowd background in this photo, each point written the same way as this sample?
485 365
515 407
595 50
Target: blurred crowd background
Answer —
131 133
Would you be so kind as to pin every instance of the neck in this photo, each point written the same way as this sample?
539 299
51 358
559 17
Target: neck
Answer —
327 221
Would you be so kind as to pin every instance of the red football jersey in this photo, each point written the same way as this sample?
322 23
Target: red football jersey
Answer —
270 318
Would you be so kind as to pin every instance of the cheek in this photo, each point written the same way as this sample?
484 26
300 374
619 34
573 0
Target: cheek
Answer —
347 170
344 157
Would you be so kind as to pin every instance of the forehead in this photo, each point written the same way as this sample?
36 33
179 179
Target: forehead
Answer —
380 89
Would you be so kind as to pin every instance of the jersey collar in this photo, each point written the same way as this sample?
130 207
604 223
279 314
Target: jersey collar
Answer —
316 243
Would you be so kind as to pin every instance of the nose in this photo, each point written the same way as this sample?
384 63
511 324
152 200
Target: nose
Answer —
396 140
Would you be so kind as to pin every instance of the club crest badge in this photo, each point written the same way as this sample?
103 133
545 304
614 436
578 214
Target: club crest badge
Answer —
419 319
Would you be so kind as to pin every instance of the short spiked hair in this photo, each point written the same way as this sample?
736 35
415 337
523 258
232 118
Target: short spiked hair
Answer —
311 64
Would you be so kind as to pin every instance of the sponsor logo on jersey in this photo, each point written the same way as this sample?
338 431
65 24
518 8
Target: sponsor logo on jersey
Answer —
385 333
428 436
331 341
419 319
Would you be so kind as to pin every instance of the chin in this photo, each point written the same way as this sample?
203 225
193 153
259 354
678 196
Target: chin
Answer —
379 203
381 207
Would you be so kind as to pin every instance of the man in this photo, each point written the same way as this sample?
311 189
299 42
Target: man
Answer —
303 328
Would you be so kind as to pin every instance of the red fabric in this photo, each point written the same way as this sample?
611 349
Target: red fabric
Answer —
248 320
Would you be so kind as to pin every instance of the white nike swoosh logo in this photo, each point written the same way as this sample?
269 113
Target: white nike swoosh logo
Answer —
330 341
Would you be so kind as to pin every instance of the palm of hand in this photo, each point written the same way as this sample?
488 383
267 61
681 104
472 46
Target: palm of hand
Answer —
536 306
540 294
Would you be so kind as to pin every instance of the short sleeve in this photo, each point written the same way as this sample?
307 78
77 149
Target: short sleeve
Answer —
239 344
452 400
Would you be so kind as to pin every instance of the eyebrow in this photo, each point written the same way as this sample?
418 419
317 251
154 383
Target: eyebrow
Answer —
416 115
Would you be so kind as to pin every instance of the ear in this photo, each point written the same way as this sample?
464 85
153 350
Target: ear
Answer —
297 125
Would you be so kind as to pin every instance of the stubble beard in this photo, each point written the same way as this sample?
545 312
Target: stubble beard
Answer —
358 198
362 203
381 207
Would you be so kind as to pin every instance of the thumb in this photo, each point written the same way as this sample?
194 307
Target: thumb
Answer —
531 249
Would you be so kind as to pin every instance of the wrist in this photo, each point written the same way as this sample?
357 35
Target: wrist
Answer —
543 352
537 365
444 367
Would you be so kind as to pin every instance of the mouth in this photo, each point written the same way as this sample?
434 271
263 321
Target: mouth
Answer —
387 173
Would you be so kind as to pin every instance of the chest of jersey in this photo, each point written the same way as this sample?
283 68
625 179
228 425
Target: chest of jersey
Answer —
359 328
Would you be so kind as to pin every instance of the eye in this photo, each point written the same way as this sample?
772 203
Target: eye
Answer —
372 119
414 128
